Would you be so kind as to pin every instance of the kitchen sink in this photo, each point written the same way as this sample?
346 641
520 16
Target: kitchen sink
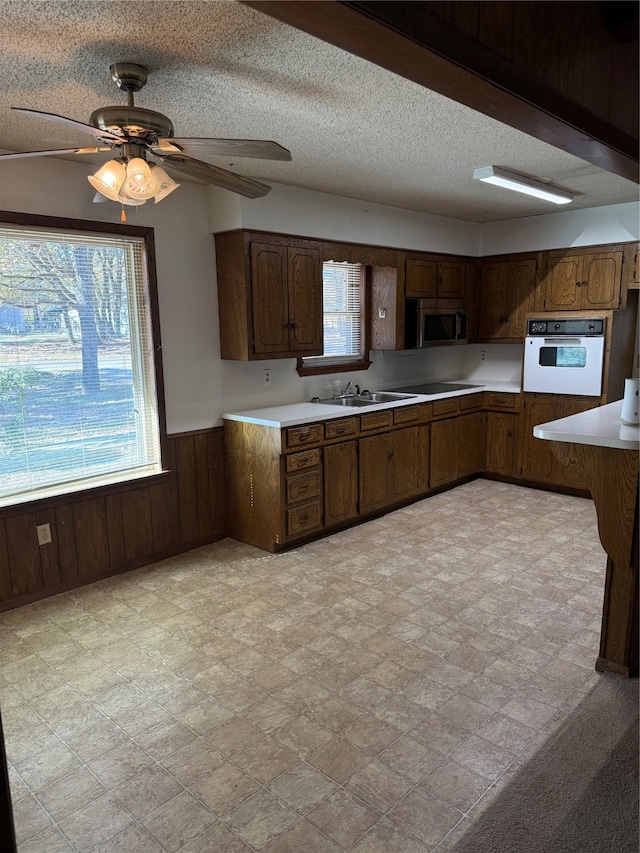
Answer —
369 398
384 396
351 400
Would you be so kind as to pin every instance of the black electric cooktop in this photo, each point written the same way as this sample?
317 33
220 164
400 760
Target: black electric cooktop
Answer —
435 388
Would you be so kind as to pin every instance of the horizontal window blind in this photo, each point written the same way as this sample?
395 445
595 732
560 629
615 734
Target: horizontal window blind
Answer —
342 311
78 401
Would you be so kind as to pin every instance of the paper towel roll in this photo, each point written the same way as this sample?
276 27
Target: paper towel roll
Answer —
631 402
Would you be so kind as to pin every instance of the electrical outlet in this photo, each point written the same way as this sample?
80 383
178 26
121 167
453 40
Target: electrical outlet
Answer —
483 355
44 533
266 376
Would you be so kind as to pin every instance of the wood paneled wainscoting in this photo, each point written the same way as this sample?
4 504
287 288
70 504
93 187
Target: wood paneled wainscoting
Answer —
110 530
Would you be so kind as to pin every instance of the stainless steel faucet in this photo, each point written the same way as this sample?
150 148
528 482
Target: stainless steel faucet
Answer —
347 389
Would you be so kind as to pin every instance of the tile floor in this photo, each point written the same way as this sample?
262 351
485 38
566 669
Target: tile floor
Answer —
370 692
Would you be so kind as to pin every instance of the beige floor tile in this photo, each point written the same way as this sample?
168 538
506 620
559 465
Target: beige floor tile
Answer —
457 785
234 737
379 786
411 758
266 760
302 787
164 739
96 823
260 819
135 838
386 836
464 712
302 837
216 837
49 841
427 818
302 735
506 732
338 759
72 792
439 733
483 757
224 789
30 818
205 716
47 766
147 790
343 818
371 734
193 762
177 822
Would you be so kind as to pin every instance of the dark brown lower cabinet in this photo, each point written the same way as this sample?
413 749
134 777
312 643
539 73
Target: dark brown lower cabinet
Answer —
457 448
501 443
340 482
538 461
393 467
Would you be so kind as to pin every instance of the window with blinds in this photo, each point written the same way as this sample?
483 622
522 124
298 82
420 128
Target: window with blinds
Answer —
78 399
343 313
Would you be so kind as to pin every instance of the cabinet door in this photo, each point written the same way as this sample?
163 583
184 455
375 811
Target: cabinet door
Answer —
305 301
443 465
602 277
560 290
269 298
340 482
470 432
493 296
452 279
521 281
421 277
409 474
501 430
375 455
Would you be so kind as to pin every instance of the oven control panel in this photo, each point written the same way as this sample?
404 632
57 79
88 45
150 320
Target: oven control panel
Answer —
593 327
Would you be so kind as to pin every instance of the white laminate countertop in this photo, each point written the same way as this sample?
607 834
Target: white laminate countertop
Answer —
601 427
304 413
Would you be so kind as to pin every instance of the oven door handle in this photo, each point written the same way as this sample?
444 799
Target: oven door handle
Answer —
558 339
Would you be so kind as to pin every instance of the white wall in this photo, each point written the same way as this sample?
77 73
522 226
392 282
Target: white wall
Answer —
616 223
199 386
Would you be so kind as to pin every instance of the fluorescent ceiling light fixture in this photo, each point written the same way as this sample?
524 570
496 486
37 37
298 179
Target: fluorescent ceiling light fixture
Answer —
513 181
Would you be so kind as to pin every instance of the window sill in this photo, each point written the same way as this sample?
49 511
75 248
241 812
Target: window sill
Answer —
330 367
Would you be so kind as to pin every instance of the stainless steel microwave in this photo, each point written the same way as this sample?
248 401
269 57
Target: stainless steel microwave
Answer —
425 326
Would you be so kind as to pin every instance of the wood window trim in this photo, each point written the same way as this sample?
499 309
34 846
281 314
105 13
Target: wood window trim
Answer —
309 367
147 234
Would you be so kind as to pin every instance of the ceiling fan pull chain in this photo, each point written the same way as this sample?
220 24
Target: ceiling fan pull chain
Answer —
123 215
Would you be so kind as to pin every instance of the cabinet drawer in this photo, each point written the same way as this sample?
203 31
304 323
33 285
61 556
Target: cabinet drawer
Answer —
406 415
376 420
470 403
311 434
304 518
336 429
495 400
308 459
303 486
448 406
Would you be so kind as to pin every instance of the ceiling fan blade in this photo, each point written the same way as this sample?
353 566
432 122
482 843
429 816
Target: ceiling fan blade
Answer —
258 148
90 150
69 122
214 175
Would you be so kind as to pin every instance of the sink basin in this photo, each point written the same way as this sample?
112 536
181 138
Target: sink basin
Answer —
385 396
351 401
368 399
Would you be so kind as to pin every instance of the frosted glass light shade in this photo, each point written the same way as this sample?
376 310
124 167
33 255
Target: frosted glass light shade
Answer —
167 184
528 186
139 183
109 179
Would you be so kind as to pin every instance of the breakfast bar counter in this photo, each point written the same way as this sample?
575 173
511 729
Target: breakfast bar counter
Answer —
605 451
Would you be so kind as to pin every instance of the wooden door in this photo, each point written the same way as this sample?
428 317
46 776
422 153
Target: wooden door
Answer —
421 278
560 283
470 432
409 474
521 282
443 466
493 298
269 298
602 274
501 430
452 279
340 482
375 455
304 269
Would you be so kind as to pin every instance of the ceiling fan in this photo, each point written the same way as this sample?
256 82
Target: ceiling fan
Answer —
134 133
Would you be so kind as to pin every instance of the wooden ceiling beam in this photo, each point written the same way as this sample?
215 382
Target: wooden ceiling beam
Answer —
404 38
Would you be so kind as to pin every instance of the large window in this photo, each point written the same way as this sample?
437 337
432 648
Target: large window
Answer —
343 288
78 399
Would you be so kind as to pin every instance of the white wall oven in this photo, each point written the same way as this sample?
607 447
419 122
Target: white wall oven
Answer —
564 356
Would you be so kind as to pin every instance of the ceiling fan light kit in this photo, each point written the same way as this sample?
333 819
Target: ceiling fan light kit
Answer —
512 181
130 179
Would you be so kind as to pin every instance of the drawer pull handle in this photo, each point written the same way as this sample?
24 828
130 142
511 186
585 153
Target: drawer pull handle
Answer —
303 488
304 517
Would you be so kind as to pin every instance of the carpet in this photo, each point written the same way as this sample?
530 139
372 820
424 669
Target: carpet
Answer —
579 792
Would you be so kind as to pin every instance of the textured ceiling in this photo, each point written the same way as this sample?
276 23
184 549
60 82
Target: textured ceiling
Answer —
221 69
